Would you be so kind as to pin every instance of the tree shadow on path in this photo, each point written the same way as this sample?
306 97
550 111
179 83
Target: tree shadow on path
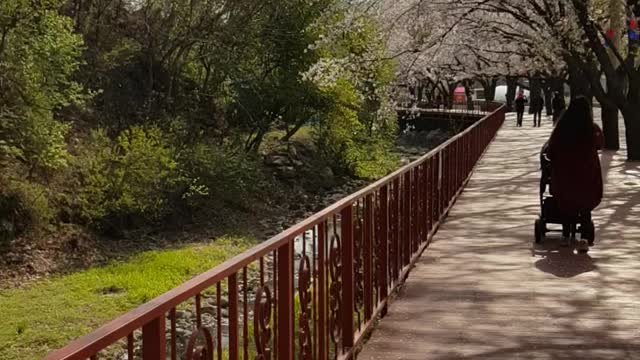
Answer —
562 262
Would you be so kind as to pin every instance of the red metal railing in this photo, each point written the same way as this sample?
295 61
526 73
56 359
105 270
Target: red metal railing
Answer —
311 292
473 107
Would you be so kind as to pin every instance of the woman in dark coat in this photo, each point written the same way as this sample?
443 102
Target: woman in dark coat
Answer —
576 178
537 105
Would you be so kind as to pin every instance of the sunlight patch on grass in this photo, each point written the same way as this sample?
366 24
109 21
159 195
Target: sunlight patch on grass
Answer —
46 315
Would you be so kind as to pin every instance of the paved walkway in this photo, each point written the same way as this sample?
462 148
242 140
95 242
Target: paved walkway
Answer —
483 290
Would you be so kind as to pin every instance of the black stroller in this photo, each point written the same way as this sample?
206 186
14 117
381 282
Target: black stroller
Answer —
549 213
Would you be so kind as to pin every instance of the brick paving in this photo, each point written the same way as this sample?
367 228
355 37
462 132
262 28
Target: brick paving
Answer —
483 290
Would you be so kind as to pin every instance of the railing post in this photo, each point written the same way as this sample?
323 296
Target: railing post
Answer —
153 339
384 243
439 186
233 317
429 195
460 161
469 163
415 211
348 284
442 196
406 215
285 308
451 174
322 283
454 167
426 171
396 242
367 251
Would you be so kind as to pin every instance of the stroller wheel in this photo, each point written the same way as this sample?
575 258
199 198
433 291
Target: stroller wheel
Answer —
539 231
589 233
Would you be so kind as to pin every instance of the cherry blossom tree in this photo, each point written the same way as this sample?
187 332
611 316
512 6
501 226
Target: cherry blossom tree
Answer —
445 43
588 43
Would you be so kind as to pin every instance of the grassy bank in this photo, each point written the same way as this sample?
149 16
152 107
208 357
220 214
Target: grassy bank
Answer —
46 315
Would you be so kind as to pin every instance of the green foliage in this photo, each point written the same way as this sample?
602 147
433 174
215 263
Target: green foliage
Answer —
357 131
218 177
38 54
38 317
335 134
183 95
141 178
345 141
35 140
126 182
23 206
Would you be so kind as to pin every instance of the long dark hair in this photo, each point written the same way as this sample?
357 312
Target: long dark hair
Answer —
576 124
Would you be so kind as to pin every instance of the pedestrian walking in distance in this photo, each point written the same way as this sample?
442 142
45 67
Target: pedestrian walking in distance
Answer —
521 101
537 104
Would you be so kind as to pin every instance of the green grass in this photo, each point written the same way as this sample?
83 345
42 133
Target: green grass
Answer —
46 315
304 135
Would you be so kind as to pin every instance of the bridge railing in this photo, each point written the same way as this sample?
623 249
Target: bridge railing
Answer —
311 292
474 107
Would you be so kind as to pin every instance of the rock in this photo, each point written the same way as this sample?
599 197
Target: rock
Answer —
326 173
269 234
182 315
319 207
295 205
293 152
265 223
288 172
182 333
208 309
276 160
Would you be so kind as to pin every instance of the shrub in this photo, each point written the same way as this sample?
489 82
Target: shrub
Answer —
35 140
126 182
335 134
24 206
373 159
348 144
217 176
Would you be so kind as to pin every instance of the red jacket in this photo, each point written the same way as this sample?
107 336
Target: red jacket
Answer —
576 177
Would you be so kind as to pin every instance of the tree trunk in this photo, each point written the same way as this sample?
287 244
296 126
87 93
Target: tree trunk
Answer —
512 84
610 127
632 122
548 98
609 117
490 89
450 90
414 96
254 144
578 83
536 87
558 85
292 131
468 92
